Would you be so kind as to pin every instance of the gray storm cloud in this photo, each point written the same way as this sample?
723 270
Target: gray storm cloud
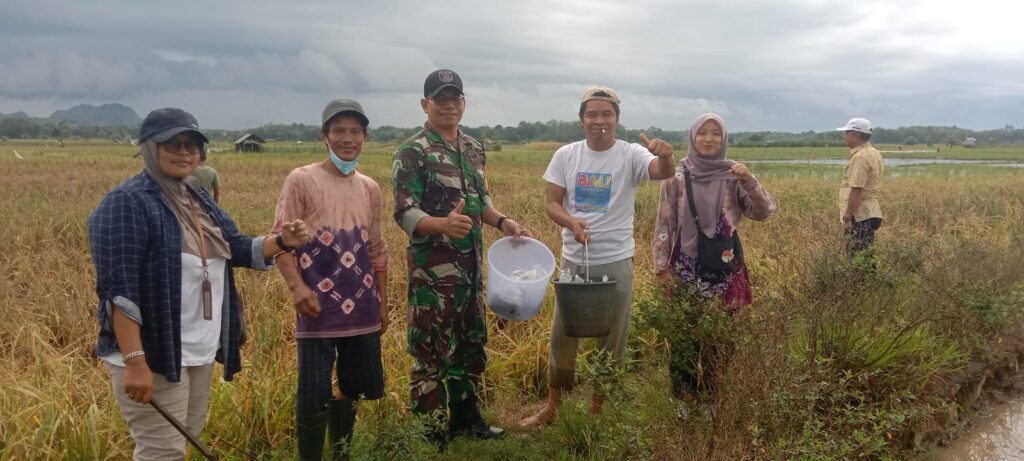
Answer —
777 65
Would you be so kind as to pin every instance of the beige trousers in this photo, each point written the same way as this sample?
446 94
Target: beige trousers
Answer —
562 349
187 400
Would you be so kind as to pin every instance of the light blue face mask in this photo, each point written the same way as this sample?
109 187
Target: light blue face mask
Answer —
345 166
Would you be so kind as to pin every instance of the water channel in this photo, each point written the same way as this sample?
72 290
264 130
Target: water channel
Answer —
891 162
996 436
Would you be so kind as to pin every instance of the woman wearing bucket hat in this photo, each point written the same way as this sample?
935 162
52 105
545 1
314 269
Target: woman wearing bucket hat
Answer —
697 252
164 254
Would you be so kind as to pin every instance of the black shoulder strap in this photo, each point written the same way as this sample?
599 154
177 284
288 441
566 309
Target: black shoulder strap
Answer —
689 198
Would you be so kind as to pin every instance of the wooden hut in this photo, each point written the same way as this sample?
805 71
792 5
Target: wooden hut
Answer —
249 142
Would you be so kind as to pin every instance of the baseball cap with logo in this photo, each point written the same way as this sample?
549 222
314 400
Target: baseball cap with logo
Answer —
857 124
342 106
601 93
163 124
439 80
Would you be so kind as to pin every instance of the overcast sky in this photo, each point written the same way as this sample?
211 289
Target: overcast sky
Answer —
764 65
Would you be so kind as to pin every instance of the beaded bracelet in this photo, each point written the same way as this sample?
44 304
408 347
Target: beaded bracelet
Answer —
132 355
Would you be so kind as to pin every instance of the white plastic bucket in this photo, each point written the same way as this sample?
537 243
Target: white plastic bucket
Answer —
510 297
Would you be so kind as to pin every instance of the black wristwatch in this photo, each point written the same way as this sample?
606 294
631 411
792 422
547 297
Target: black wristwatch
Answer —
500 222
280 243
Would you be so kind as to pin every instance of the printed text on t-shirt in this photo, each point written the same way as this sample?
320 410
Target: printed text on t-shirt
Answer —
593 192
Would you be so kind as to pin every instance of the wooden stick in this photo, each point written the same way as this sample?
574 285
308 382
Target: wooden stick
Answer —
181 429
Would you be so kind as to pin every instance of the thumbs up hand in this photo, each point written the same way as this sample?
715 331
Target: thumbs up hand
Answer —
656 146
456 224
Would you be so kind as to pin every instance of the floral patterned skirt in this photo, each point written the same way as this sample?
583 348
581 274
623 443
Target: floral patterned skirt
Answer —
734 290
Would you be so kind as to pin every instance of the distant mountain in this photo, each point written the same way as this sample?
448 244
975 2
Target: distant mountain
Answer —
105 115
18 114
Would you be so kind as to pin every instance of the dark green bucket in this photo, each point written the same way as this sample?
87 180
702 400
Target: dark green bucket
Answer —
585 307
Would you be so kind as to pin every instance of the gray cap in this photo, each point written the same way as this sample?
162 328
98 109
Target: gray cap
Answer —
340 106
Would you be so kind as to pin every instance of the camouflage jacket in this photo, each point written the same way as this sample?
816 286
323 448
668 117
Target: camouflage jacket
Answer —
430 176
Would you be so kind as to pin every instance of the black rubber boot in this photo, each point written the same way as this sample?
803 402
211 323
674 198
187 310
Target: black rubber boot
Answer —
435 432
437 437
339 427
309 432
466 421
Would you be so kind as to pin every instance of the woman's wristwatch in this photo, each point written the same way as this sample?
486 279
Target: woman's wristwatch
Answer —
280 243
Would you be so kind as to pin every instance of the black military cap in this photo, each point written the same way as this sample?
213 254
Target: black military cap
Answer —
439 80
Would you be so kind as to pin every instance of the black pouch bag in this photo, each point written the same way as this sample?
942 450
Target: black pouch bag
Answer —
717 258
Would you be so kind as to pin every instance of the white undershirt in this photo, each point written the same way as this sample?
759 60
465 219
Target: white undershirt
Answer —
200 338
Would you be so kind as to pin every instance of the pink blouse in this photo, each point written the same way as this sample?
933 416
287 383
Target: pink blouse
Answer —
675 234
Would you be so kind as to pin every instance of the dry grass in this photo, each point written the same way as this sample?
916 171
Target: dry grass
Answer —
57 404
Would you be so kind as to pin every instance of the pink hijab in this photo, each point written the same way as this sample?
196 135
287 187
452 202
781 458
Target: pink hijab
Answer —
709 176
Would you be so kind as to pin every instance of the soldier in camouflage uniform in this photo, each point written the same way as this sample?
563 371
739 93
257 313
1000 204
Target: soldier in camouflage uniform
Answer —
441 202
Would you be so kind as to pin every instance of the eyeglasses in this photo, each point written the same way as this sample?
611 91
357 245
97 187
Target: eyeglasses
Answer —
173 147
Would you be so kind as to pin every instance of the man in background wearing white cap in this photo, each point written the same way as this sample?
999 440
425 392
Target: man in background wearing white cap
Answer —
858 195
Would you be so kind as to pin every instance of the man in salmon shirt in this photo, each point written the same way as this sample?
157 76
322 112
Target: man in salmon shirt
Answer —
338 283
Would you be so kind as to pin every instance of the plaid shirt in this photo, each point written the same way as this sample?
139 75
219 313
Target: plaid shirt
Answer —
136 248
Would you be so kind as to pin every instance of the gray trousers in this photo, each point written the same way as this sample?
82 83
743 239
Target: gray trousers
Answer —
562 349
187 400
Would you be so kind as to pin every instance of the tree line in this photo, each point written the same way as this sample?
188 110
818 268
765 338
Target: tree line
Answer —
552 130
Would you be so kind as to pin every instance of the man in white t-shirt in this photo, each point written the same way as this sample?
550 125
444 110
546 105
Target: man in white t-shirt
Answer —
591 193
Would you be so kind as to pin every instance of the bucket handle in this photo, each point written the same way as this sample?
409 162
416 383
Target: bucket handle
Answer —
586 258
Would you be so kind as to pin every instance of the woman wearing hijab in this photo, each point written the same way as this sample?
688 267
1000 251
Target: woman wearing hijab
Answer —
164 255
723 191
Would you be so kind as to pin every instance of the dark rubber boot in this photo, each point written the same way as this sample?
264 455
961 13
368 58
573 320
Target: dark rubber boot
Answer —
434 430
466 421
339 428
309 432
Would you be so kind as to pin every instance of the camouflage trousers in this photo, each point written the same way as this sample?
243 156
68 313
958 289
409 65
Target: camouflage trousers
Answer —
447 334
